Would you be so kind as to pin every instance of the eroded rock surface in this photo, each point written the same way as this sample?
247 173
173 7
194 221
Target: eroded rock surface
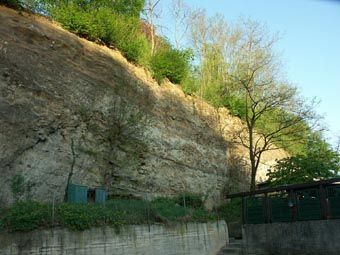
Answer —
58 94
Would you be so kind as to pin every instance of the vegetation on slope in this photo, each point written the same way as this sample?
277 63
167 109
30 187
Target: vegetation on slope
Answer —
233 66
116 24
28 215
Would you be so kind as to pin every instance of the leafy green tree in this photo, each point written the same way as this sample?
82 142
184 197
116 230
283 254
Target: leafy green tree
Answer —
170 63
320 162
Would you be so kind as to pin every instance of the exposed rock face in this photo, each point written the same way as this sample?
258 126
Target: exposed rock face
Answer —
58 94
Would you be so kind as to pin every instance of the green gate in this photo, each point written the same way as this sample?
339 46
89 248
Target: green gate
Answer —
255 210
333 193
281 207
308 204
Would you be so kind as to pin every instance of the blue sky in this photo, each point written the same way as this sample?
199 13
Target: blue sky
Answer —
310 44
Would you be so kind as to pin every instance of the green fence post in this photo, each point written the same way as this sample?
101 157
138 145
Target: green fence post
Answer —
243 210
323 201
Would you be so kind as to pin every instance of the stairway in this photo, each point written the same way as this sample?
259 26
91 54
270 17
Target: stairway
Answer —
234 247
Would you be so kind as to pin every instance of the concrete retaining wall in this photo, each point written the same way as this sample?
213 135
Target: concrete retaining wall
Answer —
319 237
189 239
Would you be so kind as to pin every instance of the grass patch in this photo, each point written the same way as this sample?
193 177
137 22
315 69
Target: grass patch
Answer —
134 211
26 216
166 209
30 215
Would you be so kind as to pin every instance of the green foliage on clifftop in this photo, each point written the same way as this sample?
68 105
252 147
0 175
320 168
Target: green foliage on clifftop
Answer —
116 24
170 63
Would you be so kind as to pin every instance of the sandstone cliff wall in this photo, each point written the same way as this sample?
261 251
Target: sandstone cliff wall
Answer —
61 100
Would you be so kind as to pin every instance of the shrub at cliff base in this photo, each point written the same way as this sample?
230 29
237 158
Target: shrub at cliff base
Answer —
190 200
232 211
30 215
26 216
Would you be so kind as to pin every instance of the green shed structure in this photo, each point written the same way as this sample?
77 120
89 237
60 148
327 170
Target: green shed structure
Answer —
77 193
100 195
82 194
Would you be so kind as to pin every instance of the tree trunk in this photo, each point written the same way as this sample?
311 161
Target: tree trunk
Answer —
252 158
152 40
253 179
253 170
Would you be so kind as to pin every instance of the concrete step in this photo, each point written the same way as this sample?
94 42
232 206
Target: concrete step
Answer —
230 253
234 247
233 240
230 250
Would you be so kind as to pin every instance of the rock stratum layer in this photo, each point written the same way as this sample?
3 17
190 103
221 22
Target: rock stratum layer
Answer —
62 100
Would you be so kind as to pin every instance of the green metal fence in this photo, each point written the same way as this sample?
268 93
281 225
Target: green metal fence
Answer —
333 194
292 205
280 207
308 204
316 200
255 212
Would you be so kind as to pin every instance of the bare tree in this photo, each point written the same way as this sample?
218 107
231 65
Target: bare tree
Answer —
274 114
179 13
151 15
239 62
209 38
